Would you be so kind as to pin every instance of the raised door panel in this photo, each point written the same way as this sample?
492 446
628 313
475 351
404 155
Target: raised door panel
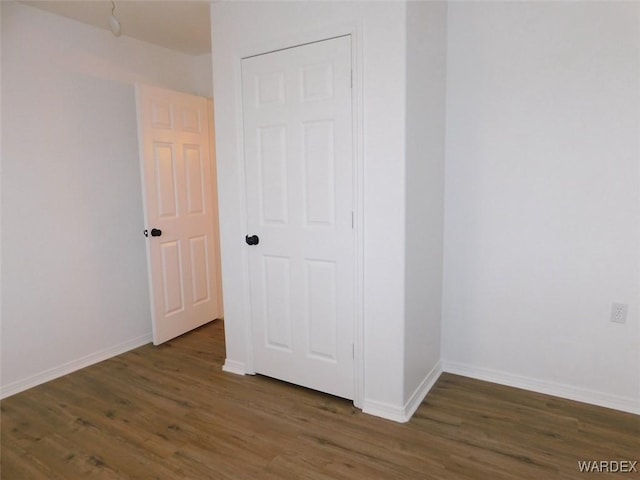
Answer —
321 310
272 161
190 119
161 114
316 82
173 288
195 179
269 90
165 173
319 181
200 274
276 285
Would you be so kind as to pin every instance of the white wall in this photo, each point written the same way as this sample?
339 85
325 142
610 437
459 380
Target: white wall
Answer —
74 284
202 77
425 154
542 197
251 27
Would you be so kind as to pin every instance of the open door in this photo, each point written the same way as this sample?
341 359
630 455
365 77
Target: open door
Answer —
180 211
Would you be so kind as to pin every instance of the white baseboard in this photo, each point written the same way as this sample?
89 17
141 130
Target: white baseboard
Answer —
394 413
69 367
421 392
232 366
569 392
403 414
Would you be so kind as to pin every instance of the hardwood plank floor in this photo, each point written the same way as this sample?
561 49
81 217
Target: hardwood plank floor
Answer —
169 412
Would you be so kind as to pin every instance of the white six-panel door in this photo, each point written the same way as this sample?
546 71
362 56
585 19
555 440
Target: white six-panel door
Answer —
300 195
173 130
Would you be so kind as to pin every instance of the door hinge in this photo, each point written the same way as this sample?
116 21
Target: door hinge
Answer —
353 222
353 351
351 78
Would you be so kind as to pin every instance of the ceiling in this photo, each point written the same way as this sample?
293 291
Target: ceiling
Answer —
182 25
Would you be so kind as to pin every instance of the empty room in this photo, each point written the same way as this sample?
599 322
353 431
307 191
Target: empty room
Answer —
323 240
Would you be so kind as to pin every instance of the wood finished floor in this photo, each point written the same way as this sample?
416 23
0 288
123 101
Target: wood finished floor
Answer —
169 412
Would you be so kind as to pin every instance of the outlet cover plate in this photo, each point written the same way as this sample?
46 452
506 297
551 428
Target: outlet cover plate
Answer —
619 312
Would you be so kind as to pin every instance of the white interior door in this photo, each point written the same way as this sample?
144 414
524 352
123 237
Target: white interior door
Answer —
180 213
300 197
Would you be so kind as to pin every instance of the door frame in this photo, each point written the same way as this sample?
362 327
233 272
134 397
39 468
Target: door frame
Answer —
289 41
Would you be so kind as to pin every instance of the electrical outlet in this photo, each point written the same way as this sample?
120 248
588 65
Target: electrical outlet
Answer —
619 312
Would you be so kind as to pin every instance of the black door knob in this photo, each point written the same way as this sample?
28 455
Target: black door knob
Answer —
252 240
156 232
